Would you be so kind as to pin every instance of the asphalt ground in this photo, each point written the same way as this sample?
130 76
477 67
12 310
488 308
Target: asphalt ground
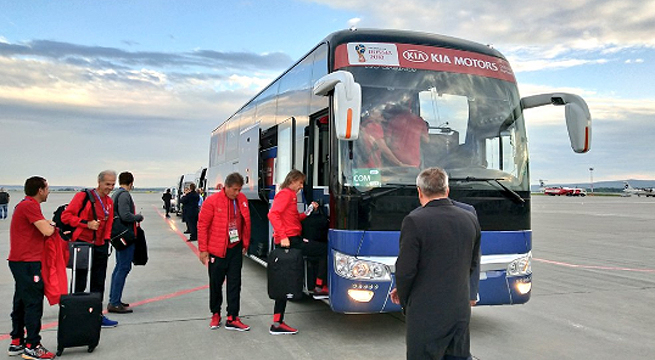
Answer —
593 297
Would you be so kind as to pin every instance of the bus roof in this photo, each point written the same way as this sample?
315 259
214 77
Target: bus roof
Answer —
384 35
408 37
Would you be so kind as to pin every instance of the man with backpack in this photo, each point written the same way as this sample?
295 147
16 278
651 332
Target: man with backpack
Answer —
92 220
126 214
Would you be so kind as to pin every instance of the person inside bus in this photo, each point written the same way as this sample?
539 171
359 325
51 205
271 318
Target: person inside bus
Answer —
287 228
404 134
372 140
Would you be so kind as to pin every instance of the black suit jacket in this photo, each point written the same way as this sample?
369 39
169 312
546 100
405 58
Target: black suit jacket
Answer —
439 248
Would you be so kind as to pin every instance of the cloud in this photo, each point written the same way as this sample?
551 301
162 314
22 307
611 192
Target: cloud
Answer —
583 24
104 107
622 130
526 31
94 55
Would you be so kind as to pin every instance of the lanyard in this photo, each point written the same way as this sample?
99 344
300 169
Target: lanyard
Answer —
104 209
234 202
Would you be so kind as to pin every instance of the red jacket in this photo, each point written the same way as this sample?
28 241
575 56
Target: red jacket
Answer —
53 268
82 232
213 223
284 215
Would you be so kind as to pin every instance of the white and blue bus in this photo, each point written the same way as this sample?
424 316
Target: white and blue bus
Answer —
361 114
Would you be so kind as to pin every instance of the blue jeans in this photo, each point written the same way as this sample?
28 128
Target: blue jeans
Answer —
3 211
123 267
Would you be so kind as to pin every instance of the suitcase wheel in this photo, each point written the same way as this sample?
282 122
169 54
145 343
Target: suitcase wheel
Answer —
91 348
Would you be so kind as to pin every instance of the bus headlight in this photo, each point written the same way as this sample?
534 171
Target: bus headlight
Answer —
523 287
352 268
362 296
521 266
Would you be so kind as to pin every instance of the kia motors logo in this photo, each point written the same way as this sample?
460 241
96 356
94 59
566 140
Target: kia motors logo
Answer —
416 56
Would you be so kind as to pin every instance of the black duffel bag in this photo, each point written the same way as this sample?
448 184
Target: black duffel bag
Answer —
122 234
140 248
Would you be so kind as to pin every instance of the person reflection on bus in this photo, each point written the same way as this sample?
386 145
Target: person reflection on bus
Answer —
287 230
374 146
405 132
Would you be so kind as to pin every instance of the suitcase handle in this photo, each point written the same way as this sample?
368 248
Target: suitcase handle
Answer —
77 247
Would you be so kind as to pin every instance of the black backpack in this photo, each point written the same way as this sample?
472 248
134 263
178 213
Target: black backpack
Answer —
65 230
315 227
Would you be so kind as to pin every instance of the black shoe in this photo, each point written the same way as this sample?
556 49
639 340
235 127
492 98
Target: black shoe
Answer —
125 304
187 231
168 216
16 347
193 239
118 309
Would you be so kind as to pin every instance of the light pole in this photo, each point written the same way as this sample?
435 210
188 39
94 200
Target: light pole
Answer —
591 177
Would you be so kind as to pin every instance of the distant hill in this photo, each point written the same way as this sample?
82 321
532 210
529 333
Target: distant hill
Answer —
616 185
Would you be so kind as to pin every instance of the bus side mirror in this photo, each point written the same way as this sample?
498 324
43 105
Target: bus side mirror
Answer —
347 100
578 118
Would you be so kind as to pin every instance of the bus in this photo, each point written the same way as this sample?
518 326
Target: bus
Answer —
439 101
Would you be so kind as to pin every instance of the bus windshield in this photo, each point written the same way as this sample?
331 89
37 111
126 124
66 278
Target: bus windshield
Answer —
412 119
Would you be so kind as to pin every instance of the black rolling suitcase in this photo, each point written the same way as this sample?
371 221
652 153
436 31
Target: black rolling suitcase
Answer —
285 274
80 314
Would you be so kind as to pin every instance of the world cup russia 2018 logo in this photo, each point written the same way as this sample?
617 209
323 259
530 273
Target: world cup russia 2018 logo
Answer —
361 50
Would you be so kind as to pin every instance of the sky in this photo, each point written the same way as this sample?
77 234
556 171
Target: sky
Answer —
139 85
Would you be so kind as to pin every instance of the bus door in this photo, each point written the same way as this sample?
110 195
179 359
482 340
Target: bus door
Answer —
316 167
259 205
276 159
317 160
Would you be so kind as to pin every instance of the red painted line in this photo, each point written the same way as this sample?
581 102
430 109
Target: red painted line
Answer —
173 226
138 303
593 267
192 246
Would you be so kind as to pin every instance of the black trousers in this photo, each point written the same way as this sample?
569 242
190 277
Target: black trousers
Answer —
28 301
221 269
192 224
315 251
167 206
98 271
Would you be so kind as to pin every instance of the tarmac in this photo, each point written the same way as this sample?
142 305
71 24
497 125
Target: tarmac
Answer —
592 297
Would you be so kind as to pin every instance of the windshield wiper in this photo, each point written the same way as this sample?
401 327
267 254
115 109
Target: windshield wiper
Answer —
514 194
369 195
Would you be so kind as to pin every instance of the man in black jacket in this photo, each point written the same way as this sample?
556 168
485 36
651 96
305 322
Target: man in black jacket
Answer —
167 197
439 248
190 202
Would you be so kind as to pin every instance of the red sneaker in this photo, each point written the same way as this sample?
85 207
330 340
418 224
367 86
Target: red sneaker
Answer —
215 323
235 324
36 353
282 329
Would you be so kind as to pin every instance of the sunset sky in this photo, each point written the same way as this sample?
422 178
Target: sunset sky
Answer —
140 85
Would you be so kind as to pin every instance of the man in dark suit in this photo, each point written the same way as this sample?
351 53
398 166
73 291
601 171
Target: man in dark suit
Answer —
439 248
190 202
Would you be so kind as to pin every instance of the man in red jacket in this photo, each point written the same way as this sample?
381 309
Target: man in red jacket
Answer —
27 236
92 219
223 236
